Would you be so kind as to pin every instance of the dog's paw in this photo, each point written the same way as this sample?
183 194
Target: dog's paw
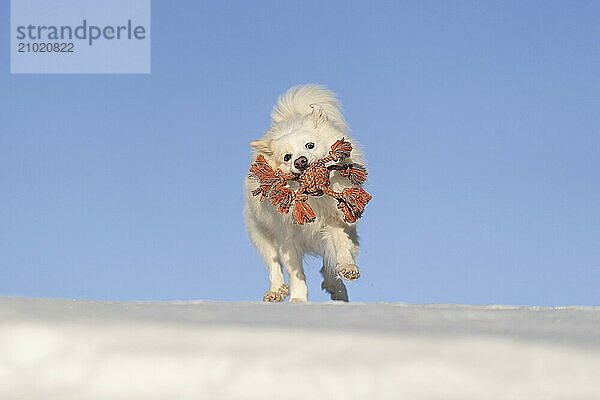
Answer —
284 290
348 272
297 300
271 296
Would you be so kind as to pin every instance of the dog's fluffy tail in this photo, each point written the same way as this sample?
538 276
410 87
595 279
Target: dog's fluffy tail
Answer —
297 101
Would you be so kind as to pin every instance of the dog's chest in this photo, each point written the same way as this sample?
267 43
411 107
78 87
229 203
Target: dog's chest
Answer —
315 178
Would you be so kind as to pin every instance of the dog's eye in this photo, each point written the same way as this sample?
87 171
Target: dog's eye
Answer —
310 145
287 157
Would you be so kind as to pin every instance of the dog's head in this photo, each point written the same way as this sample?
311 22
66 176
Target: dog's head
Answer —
302 144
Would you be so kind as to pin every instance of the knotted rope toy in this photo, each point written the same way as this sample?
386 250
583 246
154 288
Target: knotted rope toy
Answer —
314 181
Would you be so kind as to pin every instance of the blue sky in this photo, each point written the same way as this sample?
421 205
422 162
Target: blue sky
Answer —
480 121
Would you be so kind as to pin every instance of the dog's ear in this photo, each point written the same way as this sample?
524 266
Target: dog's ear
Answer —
262 146
319 117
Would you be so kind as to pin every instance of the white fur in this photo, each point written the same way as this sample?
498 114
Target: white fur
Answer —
306 113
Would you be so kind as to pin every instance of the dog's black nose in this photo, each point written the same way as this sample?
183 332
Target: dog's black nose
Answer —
301 162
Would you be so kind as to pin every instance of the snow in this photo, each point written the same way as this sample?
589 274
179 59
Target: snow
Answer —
60 349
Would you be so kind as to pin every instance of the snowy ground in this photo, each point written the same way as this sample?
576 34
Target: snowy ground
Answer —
59 349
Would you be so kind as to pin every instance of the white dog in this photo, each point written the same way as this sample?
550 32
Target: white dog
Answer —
306 121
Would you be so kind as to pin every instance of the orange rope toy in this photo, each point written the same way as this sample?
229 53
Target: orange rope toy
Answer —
314 181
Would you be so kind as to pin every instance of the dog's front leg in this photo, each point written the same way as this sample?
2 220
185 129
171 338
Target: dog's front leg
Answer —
292 260
342 240
278 290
